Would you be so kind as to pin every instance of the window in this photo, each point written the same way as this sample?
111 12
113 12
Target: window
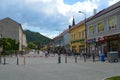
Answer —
74 37
91 30
100 26
112 22
82 35
113 45
79 35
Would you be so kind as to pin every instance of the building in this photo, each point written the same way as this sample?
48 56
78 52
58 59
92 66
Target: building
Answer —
103 30
77 37
12 29
62 40
24 43
66 39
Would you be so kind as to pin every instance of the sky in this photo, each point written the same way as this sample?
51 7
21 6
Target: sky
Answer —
50 17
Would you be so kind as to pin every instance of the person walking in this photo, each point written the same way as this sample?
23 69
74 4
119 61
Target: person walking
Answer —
74 52
46 53
93 56
84 55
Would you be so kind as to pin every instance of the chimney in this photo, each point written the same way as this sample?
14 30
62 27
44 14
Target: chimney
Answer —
94 11
69 26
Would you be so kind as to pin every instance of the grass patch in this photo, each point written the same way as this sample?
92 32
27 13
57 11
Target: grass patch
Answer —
113 78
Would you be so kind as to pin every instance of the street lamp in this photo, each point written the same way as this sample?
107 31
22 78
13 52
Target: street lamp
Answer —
1 48
85 29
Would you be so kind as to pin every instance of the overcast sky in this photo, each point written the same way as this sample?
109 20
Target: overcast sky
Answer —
50 17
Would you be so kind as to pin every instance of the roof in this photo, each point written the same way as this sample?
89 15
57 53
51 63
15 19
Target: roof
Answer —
62 34
104 11
7 18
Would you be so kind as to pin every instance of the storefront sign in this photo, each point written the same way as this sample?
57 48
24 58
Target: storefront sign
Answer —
91 40
101 39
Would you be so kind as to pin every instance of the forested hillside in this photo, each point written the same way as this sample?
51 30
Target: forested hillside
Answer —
36 38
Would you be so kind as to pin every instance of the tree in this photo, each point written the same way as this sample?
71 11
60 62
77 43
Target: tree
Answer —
9 45
31 45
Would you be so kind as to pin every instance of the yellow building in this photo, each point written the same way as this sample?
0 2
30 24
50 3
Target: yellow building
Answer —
77 37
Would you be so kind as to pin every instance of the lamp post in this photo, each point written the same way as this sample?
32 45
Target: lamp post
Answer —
1 48
85 30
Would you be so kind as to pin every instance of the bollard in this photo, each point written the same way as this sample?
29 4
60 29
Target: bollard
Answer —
84 56
59 59
0 59
24 60
65 58
93 58
75 58
4 60
17 61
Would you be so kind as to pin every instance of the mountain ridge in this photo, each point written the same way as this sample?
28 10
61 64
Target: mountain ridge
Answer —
36 38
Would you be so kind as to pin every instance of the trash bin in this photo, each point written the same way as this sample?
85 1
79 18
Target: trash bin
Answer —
112 56
102 57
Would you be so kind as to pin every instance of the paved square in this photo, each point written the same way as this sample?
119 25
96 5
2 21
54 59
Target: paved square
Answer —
41 68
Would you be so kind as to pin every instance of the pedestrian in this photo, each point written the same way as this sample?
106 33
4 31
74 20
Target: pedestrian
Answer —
84 55
93 56
99 53
37 51
59 52
69 52
74 52
46 53
81 53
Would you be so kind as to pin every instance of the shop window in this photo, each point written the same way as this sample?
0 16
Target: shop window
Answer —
112 22
114 45
100 26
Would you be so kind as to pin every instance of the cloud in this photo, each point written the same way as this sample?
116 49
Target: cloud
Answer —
45 16
111 2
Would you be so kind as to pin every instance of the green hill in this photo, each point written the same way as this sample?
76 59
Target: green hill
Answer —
37 38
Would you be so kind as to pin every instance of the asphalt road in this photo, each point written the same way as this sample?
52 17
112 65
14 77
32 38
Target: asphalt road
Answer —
38 67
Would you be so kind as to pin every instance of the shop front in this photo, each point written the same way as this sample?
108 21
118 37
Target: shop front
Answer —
101 46
113 43
91 46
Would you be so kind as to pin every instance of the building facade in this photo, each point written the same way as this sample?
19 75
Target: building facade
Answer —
77 37
11 29
62 40
66 39
103 30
